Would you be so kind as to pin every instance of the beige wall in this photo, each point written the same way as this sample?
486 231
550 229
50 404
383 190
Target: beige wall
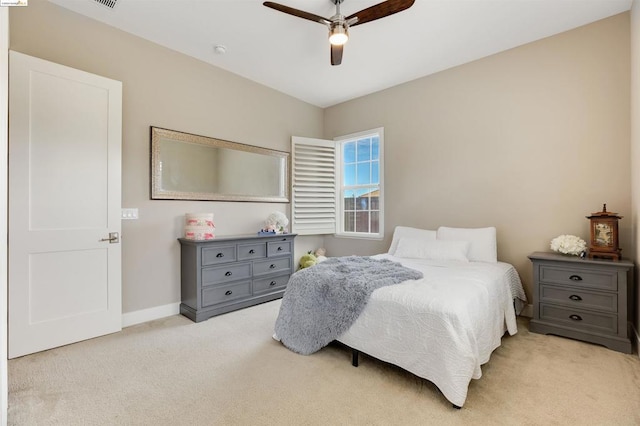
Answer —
530 140
635 150
165 89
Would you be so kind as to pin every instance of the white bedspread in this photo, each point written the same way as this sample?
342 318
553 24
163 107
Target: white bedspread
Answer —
442 327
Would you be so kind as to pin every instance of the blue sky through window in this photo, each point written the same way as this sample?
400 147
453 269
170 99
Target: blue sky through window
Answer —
361 165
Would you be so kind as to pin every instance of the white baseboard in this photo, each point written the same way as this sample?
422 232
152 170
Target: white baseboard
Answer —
527 311
144 315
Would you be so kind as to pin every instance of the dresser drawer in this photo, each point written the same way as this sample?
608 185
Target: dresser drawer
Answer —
265 285
252 251
579 298
272 266
277 248
594 321
219 254
222 274
602 278
226 293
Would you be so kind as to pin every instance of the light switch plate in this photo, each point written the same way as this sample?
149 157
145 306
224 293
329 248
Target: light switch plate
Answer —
129 214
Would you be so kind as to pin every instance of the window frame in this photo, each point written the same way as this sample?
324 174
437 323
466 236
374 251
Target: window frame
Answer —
340 187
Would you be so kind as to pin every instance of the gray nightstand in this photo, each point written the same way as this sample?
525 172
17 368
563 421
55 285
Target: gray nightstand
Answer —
583 299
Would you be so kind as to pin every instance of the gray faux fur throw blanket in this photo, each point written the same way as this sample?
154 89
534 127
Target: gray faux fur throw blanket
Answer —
321 302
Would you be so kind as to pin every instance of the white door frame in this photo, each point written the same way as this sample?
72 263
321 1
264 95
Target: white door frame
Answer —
4 146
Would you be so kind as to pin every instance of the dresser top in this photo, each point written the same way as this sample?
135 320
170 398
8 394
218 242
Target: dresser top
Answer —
540 255
236 238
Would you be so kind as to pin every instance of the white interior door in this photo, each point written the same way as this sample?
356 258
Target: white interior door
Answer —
64 201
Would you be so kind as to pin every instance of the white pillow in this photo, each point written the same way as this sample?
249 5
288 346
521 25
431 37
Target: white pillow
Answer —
405 231
483 246
432 249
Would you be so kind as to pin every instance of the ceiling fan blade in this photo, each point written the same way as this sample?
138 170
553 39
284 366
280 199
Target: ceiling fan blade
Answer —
380 10
296 12
336 54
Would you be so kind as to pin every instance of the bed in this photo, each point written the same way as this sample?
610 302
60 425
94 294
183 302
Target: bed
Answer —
444 326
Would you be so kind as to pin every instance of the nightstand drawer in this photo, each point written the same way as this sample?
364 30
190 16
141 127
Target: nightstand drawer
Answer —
579 298
224 274
579 319
606 279
221 294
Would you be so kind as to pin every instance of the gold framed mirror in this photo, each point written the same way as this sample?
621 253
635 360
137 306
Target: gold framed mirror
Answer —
185 166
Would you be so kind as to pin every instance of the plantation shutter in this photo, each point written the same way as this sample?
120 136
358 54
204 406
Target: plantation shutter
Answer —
313 201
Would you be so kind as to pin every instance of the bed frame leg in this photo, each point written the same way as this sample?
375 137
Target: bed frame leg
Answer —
354 357
457 407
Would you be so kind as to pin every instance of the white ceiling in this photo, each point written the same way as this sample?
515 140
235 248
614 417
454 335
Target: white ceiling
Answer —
291 54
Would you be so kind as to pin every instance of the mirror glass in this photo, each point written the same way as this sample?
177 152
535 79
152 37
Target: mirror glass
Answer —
191 167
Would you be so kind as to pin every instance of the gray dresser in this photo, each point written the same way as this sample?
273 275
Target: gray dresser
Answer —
230 273
583 299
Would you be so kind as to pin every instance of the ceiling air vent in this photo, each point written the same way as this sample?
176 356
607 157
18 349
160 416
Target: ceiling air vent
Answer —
107 3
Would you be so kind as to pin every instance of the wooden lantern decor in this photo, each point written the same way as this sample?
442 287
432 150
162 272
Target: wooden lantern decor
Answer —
604 235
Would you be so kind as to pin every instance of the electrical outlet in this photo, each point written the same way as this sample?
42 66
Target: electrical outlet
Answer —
129 214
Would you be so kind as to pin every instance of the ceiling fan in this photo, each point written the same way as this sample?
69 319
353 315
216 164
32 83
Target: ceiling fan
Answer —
339 25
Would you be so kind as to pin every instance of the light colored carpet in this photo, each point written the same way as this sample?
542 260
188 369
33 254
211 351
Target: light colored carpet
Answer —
229 371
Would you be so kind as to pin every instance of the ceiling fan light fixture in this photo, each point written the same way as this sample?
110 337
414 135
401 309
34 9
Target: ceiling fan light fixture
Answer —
338 35
339 24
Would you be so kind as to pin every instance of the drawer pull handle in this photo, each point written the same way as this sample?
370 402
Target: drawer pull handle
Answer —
228 274
272 283
228 293
575 278
575 297
279 248
272 266
575 317
252 251
220 255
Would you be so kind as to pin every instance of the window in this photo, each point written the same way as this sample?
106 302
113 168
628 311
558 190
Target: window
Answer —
338 185
359 181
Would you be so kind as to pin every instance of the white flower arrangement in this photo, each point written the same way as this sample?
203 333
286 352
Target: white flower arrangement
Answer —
568 244
276 221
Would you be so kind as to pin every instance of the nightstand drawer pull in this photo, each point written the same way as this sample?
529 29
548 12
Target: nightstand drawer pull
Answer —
252 251
228 274
575 297
220 255
272 266
272 283
575 278
228 293
575 317
279 248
